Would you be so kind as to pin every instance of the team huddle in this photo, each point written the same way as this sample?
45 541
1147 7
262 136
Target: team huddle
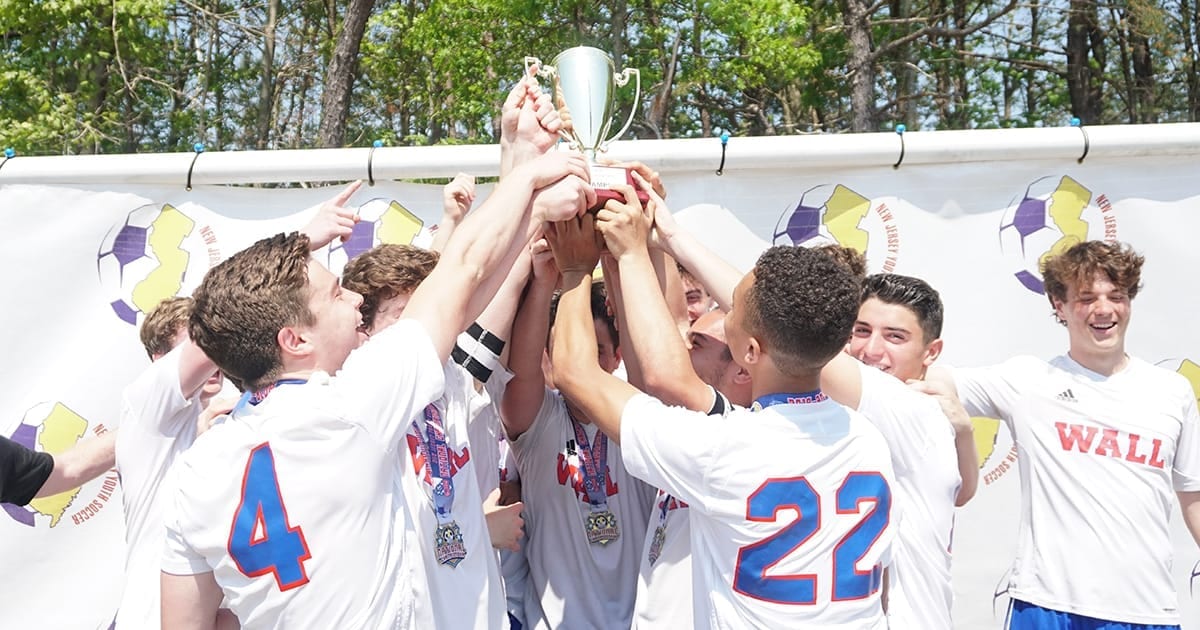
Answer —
569 414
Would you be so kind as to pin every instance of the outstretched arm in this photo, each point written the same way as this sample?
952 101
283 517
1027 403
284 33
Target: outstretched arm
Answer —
666 367
526 390
1189 503
964 434
712 271
600 395
191 602
457 197
80 464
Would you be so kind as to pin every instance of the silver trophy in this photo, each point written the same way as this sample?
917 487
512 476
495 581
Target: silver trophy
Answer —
584 82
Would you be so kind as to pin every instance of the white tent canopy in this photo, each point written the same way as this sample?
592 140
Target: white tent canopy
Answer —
667 156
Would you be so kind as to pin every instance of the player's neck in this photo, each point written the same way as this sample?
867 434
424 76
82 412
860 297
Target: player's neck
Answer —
1102 363
777 383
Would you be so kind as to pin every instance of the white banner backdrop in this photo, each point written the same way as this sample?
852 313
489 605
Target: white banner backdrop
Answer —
81 265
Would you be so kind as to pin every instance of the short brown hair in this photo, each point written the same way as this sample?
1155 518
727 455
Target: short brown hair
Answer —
849 257
242 303
802 305
1079 264
163 324
384 272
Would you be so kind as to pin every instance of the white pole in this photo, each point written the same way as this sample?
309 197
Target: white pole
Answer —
828 151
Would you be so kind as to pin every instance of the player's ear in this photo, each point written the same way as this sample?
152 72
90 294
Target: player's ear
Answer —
932 352
293 342
740 375
752 351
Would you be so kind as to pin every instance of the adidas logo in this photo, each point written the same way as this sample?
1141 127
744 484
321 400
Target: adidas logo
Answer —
1066 396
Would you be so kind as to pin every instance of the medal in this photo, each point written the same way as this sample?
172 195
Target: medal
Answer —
656 545
449 547
600 523
601 527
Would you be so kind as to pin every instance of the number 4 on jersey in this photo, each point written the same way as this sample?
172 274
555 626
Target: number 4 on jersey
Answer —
261 540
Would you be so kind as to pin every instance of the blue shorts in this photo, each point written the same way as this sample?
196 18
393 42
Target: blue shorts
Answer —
1026 616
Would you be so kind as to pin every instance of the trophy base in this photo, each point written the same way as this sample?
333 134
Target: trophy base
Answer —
605 177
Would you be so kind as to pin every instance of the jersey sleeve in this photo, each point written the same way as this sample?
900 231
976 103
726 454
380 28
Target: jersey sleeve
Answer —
178 557
22 472
905 418
1185 474
388 380
992 391
670 448
154 398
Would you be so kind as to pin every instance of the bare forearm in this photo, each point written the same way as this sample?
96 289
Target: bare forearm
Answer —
653 333
712 271
80 464
523 394
671 285
600 395
968 465
471 269
1189 503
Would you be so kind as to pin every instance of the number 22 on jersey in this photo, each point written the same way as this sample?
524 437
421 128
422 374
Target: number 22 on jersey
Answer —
261 540
754 560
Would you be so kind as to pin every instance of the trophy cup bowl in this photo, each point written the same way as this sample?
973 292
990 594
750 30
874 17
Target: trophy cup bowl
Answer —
584 81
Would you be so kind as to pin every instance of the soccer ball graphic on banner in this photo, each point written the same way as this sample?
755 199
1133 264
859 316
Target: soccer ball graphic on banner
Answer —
50 428
380 221
146 259
1053 215
825 214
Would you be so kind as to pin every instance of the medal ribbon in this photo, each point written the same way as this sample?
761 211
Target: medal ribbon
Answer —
594 461
437 460
802 398
252 398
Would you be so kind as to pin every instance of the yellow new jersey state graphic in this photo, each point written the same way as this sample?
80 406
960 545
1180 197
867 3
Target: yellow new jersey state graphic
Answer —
398 225
843 212
61 429
165 240
1191 372
1067 204
986 430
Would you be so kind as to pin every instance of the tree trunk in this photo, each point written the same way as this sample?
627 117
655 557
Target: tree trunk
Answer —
860 65
339 77
1085 61
266 82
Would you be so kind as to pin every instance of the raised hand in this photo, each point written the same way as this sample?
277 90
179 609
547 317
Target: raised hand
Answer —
457 197
544 269
575 243
625 225
648 174
665 226
333 219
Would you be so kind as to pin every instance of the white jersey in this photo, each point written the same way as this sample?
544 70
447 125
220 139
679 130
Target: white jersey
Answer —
292 502
792 513
664 595
1100 459
921 441
484 430
439 588
157 424
581 584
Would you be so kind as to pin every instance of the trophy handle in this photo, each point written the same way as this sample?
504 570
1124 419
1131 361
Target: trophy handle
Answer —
543 70
621 79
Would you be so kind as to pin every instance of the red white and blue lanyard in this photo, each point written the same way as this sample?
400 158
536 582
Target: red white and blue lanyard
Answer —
253 397
594 462
802 398
437 458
